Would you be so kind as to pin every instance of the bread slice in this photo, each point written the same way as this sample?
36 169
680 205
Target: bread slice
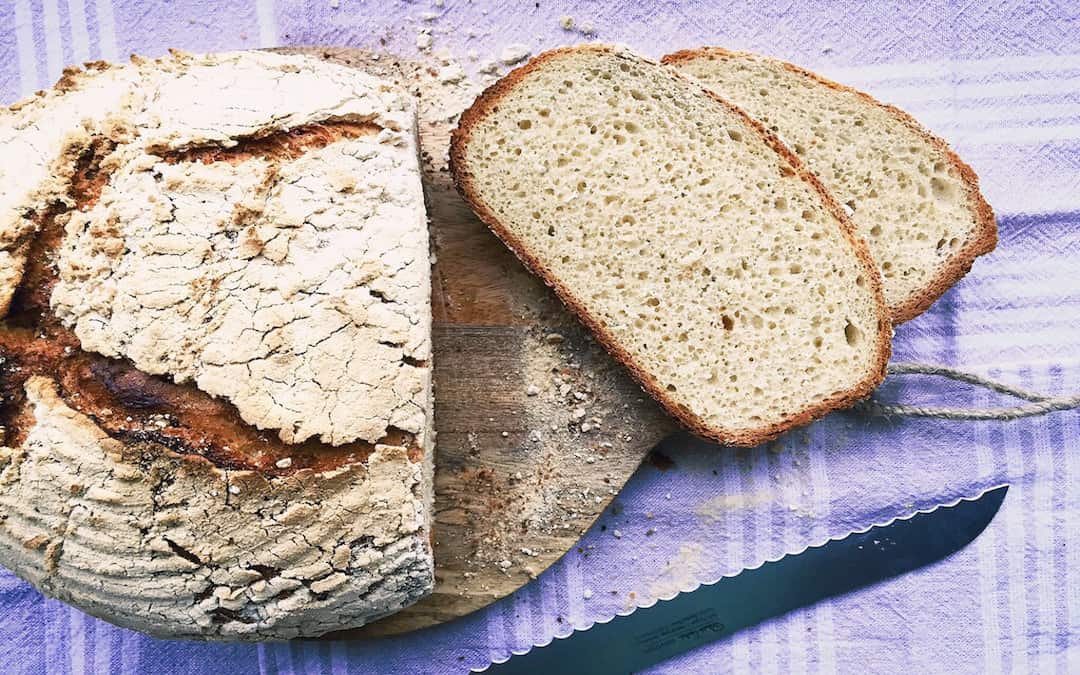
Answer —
912 199
696 247
215 367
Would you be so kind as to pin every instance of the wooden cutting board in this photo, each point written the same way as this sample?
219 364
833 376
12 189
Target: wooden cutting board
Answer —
537 427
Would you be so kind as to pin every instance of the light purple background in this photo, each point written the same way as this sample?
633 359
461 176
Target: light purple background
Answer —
1001 82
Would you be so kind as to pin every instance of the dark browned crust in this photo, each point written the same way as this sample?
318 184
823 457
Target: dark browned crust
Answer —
983 238
462 175
128 405
290 144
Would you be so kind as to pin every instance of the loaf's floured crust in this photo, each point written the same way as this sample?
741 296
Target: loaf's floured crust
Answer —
178 548
40 137
259 235
281 286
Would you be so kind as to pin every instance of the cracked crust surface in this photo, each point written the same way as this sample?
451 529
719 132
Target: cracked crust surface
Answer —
286 288
178 548
224 299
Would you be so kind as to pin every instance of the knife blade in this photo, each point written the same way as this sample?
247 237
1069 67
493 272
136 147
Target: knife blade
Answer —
711 612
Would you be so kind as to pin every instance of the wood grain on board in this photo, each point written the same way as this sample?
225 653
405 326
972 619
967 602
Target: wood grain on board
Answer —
537 427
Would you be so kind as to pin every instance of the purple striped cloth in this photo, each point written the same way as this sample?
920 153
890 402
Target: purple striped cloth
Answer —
1001 82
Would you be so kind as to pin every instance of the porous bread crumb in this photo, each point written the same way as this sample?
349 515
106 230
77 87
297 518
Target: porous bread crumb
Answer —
567 22
423 40
708 316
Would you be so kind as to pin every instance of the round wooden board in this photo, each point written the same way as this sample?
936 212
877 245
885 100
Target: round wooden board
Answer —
538 428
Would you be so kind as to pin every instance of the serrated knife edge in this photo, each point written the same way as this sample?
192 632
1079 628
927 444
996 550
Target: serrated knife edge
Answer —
698 584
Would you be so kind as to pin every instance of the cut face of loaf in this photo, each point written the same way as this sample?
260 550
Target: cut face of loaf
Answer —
702 255
216 412
913 201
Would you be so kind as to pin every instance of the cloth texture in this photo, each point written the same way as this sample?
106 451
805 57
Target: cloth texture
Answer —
1001 82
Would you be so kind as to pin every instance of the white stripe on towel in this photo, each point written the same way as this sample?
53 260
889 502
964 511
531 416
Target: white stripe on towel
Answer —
268 32
24 38
825 635
933 70
54 49
1013 577
106 29
80 38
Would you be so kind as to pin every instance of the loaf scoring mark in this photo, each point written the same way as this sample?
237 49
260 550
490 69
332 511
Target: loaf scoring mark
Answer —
129 404
289 144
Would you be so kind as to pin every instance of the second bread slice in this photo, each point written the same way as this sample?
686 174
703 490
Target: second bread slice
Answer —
916 204
697 248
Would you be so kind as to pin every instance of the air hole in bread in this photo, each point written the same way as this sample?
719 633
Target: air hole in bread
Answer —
852 334
941 189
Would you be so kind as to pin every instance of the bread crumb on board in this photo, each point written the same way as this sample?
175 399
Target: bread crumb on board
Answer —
514 53
559 381
451 74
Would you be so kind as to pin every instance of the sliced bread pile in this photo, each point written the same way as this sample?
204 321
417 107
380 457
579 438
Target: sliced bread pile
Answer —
912 199
700 251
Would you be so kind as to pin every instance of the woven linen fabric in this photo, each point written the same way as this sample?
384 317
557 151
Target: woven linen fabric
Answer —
1001 82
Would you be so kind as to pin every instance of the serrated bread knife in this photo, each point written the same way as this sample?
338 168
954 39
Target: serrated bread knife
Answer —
653 634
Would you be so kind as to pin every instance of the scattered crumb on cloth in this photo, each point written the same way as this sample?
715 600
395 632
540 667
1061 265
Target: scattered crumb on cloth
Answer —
514 53
680 572
714 509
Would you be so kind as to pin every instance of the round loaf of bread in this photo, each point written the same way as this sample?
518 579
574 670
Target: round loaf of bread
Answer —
215 355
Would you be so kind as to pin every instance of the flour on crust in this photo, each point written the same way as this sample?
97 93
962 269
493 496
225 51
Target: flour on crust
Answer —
259 236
